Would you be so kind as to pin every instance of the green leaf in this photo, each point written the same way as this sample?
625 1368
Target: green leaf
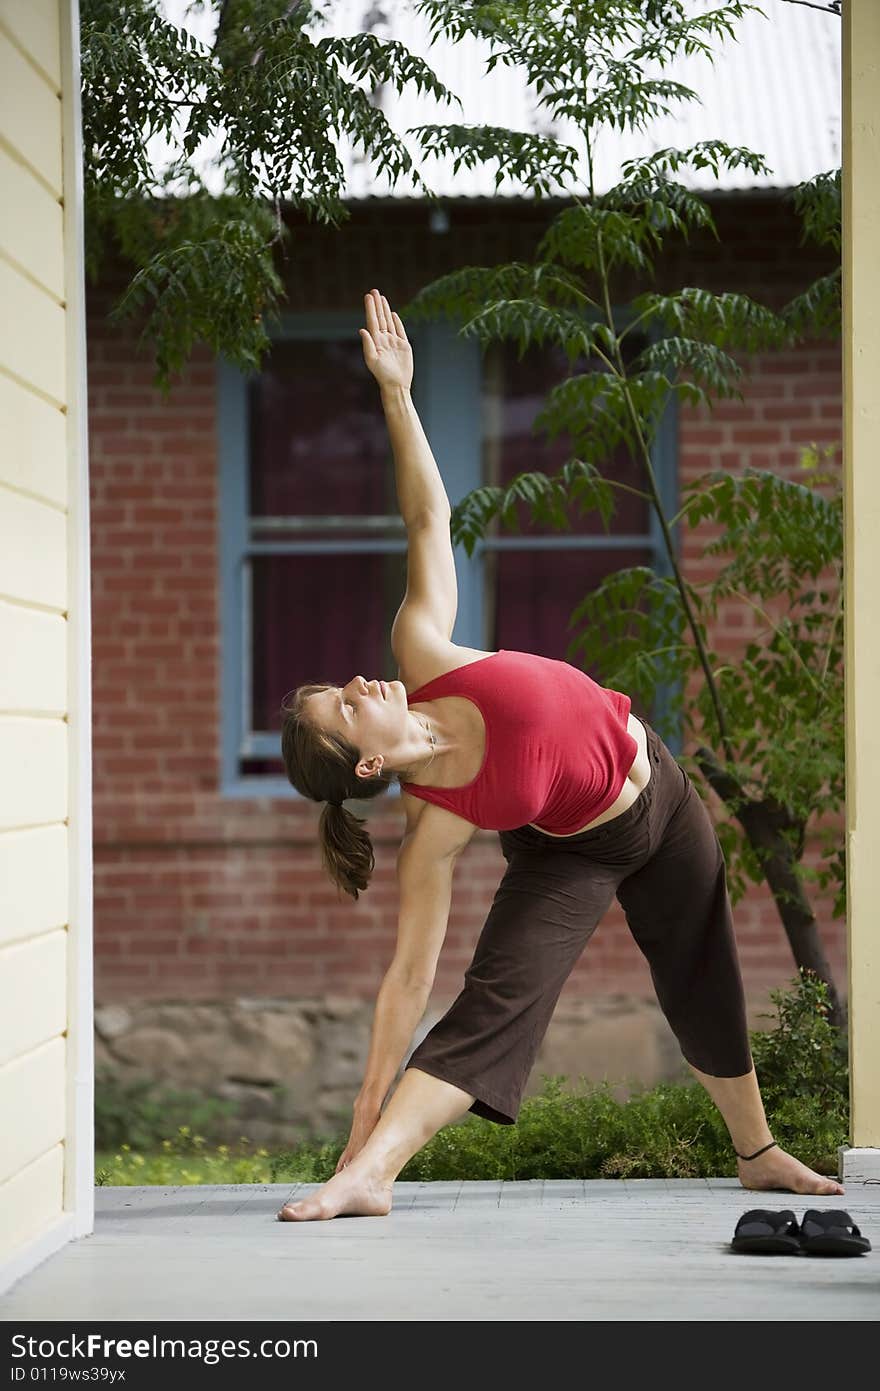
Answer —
817 311
541 163
591 237
706 364
818 203
706 154
726 320
214 282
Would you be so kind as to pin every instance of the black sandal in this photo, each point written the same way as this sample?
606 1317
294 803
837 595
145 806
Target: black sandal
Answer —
832 1233
760 1232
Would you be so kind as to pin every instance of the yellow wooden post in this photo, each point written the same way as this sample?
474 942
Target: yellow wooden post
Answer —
861 339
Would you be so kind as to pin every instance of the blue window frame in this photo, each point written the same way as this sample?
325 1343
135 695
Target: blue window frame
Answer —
448 391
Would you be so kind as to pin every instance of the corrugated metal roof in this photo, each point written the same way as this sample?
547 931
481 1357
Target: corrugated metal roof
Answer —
776 91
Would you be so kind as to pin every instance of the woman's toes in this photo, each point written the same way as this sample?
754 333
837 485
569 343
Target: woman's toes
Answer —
302 1211
811 1182
356 1194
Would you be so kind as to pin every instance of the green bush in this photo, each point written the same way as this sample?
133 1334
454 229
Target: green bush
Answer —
135 1113
670 1131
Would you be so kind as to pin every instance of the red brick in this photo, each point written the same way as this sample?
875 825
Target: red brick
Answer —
704 435
120 444
789 411
206 946
748 434
734 410
820 432
813 386
153 946
784 364
762 387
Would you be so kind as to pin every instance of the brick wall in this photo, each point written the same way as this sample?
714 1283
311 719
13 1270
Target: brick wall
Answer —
198 897
791 399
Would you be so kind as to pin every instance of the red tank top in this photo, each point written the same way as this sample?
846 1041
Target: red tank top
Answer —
557 747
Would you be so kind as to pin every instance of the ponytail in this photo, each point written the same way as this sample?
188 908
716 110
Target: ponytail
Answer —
346 849
321 766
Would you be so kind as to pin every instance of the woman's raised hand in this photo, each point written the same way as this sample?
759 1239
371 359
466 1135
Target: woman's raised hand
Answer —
387 350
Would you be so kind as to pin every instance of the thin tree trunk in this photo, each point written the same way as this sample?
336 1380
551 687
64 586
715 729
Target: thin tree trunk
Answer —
764 823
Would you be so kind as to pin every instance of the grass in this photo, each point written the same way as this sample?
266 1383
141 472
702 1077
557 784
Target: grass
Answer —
188 1158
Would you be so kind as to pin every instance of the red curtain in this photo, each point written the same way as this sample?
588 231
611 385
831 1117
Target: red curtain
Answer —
531 594
318 448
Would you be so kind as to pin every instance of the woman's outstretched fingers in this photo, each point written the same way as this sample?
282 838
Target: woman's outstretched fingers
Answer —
368 346
387 350
381 318
373 324
378 309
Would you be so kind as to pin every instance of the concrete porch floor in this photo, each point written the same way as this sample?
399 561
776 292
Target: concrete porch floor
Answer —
537 1250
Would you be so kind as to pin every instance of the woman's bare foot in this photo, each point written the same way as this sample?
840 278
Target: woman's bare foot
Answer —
776 1169
353 1192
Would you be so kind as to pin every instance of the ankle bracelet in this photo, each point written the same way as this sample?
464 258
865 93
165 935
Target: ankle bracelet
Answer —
757 1152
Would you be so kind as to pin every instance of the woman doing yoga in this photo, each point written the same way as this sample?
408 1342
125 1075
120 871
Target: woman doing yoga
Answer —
589 804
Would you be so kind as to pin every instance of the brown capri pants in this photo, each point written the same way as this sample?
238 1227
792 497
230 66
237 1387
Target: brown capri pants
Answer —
663 861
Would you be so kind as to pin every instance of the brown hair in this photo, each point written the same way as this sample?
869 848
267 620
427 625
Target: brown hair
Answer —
320 765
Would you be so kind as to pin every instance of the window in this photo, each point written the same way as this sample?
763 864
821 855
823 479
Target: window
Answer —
313 550
535 578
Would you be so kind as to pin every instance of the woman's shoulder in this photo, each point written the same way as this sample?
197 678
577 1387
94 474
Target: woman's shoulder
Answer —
431 656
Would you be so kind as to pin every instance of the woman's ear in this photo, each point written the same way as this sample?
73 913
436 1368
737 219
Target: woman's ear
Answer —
370 767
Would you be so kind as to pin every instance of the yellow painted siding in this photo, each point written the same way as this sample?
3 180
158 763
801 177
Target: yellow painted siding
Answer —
31 1199
31 226
30 115
33 882
32 1097
32 347
33 552
38 685
33 25
33 1003
33 756
36 468
34 457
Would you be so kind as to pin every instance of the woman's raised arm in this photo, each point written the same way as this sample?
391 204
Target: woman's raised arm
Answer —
388 355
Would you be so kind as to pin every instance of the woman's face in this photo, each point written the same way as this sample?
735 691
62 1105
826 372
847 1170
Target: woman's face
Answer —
374 722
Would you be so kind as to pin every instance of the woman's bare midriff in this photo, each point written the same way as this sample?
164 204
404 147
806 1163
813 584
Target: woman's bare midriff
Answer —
636 781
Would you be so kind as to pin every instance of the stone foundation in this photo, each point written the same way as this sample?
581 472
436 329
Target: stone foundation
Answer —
293 1067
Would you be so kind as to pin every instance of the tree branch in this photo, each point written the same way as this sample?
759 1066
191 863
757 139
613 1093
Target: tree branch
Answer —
833 7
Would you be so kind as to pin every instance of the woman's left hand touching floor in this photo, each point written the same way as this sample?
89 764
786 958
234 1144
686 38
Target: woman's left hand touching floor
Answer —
362 1127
